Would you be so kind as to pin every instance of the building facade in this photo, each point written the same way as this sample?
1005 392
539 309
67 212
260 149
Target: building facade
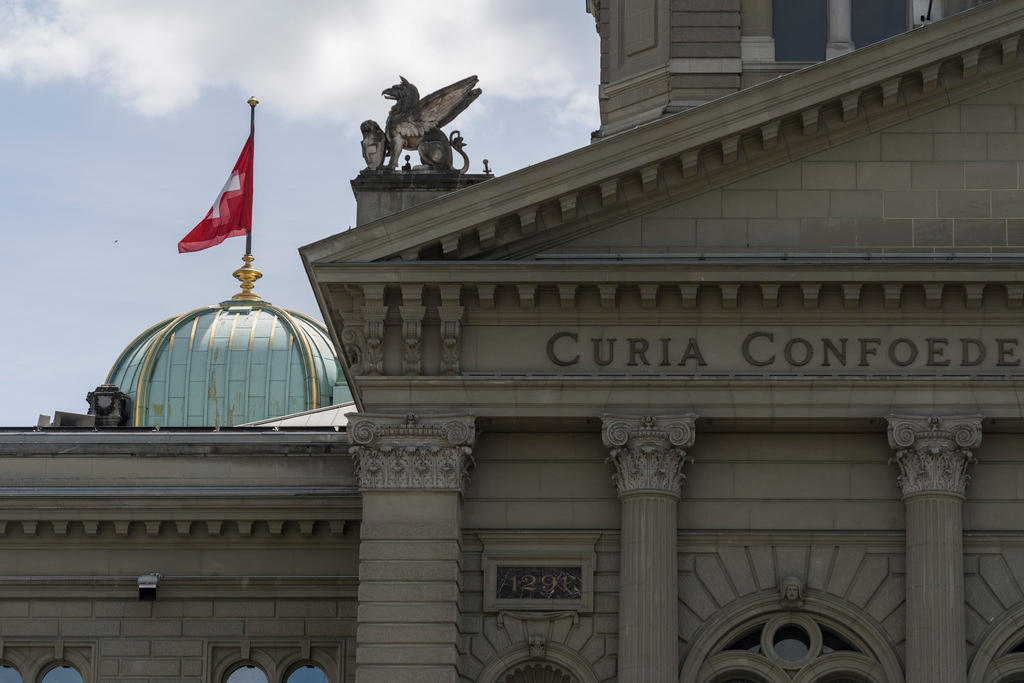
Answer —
732 394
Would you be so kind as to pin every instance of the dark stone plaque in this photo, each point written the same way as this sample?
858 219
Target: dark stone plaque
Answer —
539 583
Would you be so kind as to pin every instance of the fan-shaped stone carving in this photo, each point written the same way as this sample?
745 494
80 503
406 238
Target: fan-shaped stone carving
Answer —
537 673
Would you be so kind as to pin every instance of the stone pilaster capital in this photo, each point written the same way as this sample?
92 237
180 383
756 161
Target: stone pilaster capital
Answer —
648 452
412 452
933 452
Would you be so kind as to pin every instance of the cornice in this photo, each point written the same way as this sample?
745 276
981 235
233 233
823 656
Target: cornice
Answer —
756 268
744 396
198 512
916 55
115 441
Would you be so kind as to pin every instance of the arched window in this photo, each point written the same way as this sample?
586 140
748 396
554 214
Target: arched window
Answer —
8 674
305 673
781 645
61 674
247 673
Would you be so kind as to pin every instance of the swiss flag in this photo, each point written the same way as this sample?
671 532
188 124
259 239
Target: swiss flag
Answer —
231 213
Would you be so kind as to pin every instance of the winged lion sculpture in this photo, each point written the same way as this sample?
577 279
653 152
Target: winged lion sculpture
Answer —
415 123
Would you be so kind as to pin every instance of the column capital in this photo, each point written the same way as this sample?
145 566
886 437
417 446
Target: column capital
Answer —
648 452
933 452
430 452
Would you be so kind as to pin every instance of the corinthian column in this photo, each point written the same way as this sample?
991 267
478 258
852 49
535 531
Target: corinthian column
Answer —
411 472
648 454
933 454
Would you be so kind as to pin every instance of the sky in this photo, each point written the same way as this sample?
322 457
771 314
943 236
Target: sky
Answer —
120 121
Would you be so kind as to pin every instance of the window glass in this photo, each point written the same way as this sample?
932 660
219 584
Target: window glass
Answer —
751 642
875 20
792 643
800 29
8 674
307 674
62 674
833 642
247 674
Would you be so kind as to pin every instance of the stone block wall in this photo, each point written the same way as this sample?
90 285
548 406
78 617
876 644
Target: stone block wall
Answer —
178 639
950 180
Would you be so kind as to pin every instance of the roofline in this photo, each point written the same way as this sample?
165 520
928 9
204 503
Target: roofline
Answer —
729 115
184 439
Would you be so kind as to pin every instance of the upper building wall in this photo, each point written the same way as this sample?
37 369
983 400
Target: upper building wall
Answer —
947 181
659 57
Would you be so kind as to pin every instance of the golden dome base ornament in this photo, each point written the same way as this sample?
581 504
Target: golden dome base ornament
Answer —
247 275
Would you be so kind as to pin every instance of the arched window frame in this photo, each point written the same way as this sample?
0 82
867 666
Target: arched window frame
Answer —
45 670
294 666
994 661
706 662
231 669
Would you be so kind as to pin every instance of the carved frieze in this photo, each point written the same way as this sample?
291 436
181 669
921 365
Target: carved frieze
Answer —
648 453
410 452
934 453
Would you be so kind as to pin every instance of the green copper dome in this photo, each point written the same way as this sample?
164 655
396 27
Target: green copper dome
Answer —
225 365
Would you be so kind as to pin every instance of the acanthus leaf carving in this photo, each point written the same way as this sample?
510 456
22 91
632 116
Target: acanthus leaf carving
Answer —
373 333
934 453
451 338
409 452
648 453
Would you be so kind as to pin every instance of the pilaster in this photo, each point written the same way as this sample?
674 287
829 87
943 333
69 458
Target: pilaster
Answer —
649 454
840 29
933 455
412 471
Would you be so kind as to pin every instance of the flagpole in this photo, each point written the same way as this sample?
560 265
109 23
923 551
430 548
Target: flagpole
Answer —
252 129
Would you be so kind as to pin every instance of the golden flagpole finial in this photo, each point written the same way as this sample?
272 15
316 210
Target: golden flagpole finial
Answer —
253 101
247 275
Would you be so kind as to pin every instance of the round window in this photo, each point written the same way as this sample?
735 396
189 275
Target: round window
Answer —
791 643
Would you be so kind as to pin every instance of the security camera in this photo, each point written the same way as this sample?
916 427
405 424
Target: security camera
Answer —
147 586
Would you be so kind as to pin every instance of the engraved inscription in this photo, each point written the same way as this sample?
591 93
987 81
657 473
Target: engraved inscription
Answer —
539 583
838 349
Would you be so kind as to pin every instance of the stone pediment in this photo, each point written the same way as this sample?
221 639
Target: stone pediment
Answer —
852 231
723 143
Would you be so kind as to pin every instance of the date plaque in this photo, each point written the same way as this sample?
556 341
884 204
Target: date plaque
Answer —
539 583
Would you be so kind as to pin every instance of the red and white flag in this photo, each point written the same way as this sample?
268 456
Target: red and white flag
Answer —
231 213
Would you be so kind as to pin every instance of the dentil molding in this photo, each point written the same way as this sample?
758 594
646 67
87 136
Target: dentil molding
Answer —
648 453
412 452
934 453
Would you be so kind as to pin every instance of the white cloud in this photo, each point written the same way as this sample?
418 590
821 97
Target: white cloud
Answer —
320 59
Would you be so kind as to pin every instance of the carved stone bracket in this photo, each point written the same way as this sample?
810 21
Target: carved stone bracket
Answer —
409 452
934 453
451 314
648 452
412 312
538 629
374 313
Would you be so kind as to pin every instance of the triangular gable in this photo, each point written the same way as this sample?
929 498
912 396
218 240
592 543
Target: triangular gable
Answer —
718 145
946 180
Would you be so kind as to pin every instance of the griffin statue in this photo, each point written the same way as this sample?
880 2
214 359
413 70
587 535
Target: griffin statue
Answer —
415 123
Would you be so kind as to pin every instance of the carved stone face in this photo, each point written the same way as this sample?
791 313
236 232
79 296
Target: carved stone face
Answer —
792 592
